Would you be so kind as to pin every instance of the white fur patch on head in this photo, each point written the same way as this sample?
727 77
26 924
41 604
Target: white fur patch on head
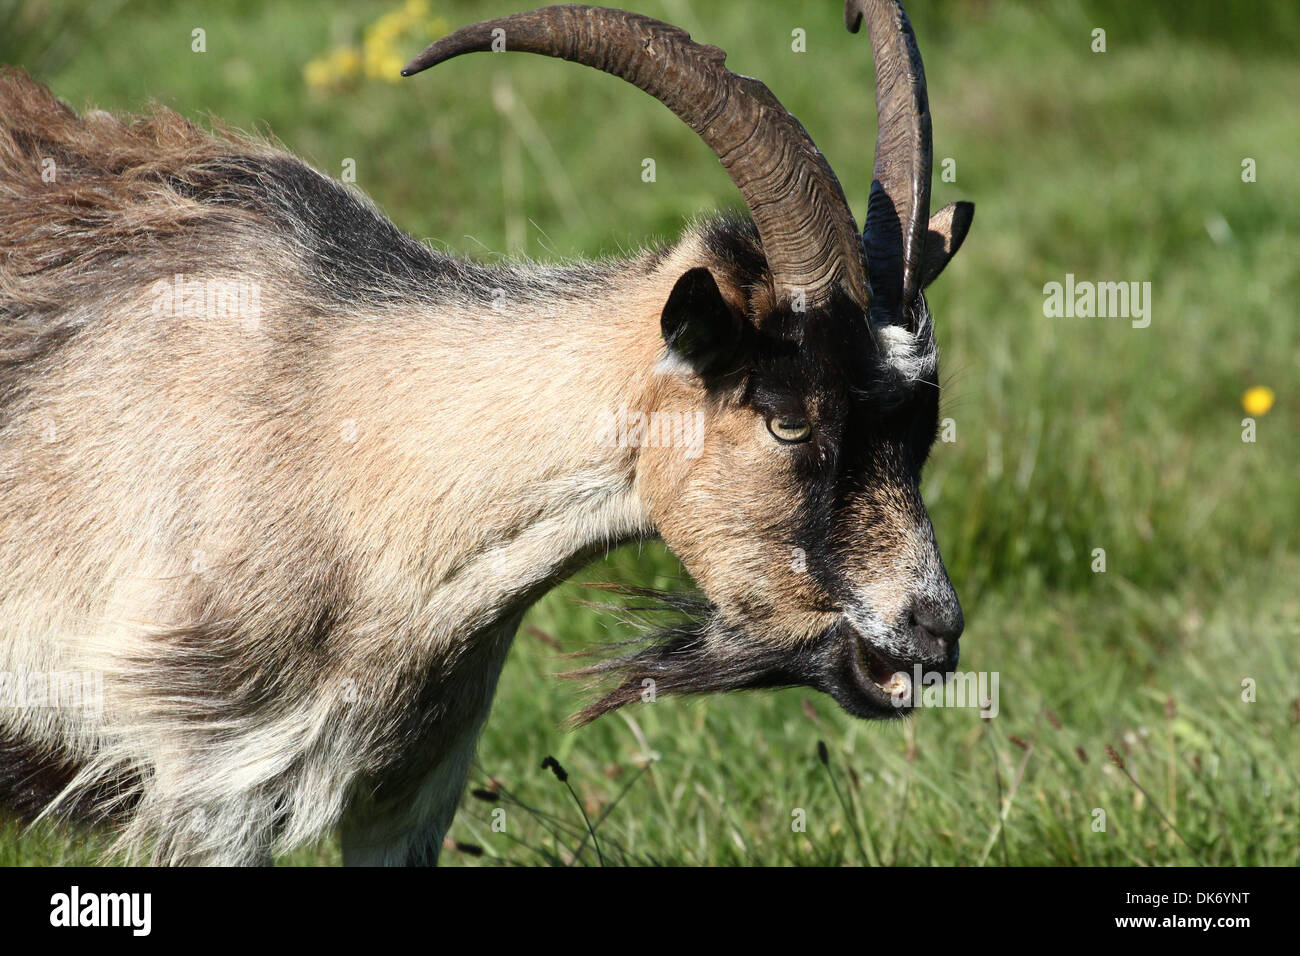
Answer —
670 363
909 356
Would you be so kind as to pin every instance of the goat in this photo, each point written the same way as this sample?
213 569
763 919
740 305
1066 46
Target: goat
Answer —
285 479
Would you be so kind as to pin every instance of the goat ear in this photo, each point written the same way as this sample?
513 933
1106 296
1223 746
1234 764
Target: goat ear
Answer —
699 326
947 229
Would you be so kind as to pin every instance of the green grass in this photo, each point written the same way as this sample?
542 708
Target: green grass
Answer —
1072 434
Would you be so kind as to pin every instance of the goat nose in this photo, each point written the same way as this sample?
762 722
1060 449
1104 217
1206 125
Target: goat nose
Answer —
937 625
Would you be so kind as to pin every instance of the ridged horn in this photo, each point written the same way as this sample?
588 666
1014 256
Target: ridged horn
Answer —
898 212
808 233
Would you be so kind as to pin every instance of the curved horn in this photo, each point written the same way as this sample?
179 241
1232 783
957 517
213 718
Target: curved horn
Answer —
808 233
899 209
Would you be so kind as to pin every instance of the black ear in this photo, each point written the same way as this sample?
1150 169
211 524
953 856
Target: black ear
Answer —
947 229
699 325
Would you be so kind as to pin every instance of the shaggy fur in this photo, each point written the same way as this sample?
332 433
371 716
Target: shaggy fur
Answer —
188 512
295 538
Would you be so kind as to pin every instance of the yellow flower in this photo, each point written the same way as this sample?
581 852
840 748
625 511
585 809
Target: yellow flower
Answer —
390 68
317 74
386 44
1258 400
348 61
333 68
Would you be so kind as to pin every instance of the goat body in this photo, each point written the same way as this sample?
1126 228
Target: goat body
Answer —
289 539
281 480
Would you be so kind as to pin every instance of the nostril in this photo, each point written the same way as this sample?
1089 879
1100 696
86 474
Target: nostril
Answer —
942 625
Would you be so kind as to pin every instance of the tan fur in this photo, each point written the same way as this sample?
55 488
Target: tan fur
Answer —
297 547
727 515
422 469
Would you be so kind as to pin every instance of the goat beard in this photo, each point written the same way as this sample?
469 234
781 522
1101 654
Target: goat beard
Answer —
700 654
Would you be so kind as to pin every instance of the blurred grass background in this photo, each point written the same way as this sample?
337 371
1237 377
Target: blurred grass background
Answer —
1072 434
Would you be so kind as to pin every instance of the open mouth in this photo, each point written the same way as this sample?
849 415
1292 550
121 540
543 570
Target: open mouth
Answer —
882 680
707 654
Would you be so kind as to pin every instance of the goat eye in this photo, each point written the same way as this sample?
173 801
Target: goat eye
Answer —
789 430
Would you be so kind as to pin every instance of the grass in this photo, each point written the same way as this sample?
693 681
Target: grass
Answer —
1071 434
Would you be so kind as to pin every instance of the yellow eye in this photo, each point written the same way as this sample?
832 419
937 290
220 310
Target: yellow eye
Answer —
789 430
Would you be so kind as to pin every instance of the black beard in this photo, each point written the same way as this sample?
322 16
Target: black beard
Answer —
699 654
